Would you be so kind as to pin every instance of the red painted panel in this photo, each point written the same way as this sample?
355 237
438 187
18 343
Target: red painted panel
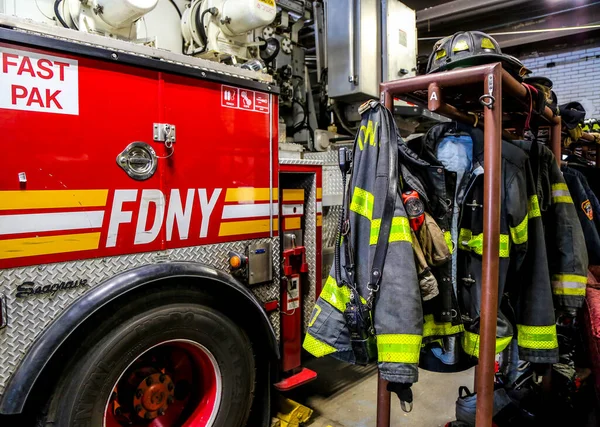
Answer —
194 197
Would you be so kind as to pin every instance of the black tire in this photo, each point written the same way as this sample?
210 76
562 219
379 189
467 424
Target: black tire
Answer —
89 377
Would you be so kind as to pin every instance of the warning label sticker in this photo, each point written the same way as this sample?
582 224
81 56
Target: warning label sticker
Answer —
244 99
33 81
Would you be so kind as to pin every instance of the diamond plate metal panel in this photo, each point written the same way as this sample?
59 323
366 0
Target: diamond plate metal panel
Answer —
28 317
324 156
332 177
310 239
330 225
309 162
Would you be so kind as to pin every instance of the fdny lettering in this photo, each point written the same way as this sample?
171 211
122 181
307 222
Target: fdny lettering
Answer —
368 133
38 82
178 213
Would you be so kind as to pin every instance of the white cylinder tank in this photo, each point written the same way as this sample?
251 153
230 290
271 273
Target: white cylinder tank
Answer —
120 13
241 16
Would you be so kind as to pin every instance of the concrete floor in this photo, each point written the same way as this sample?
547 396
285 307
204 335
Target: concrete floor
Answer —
345 396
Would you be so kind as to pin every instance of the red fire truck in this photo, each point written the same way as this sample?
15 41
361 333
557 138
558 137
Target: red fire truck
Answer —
156 258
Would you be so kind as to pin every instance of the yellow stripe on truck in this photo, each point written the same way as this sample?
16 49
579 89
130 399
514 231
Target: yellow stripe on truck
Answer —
236 228
32 246
292 223
296 195
45 199
250 194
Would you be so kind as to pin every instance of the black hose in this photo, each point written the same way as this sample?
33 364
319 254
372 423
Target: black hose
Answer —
58 15
199 18
176 8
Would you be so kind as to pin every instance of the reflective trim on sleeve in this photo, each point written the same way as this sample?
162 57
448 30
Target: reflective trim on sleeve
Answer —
519 233
448 239
537 337
400 230
398 348
468 242
470 343
336 295
362 202
560 193
432 329
569 284
317 348
533 207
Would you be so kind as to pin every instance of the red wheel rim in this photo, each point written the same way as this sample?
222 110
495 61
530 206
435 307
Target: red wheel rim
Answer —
173 384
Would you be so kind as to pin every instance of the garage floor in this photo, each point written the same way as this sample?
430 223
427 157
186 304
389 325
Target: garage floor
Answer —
344 395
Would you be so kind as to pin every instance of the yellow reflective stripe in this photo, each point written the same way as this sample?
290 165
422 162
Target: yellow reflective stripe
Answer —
336 295
431 328
448 239
562 199
519 233
537 337
398 348
533 207
468 242
470 343
362 202
317 348
569 291
400 230
560 193
569 284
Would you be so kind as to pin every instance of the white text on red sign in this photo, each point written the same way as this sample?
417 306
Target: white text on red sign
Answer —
38 82
244 99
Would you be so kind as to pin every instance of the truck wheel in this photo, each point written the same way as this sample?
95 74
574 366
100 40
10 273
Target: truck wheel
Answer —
177 364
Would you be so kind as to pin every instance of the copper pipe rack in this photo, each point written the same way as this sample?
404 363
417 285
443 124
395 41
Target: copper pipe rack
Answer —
467 90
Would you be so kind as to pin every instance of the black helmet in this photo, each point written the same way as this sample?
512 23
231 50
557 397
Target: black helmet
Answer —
468 48
572 114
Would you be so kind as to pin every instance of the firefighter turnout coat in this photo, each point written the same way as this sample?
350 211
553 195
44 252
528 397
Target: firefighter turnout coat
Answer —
454 197
397 316
565 242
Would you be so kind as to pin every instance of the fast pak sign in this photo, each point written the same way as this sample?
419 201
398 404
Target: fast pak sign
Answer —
32 81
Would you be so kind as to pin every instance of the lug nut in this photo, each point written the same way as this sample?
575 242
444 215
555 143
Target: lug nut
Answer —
170 386
139 408
161 412
149 381
148 416
118 411
170 399
162 378
139 393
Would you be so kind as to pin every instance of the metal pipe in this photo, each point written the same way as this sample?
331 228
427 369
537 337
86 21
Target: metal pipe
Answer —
492 155
383 403
459 77
434 97
555 139
383 395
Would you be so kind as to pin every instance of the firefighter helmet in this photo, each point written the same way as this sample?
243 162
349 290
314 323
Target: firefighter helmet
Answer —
468 48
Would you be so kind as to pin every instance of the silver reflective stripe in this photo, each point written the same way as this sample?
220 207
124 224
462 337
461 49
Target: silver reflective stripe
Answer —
572 285
560 193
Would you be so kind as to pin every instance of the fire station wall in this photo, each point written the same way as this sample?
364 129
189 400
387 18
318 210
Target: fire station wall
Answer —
575 75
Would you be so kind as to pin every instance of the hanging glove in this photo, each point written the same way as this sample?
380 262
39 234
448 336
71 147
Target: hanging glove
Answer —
404 393
427 282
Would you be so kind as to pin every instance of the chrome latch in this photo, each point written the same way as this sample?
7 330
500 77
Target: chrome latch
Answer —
164 132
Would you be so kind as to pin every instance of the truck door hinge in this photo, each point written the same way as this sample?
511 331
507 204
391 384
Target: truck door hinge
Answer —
165 132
